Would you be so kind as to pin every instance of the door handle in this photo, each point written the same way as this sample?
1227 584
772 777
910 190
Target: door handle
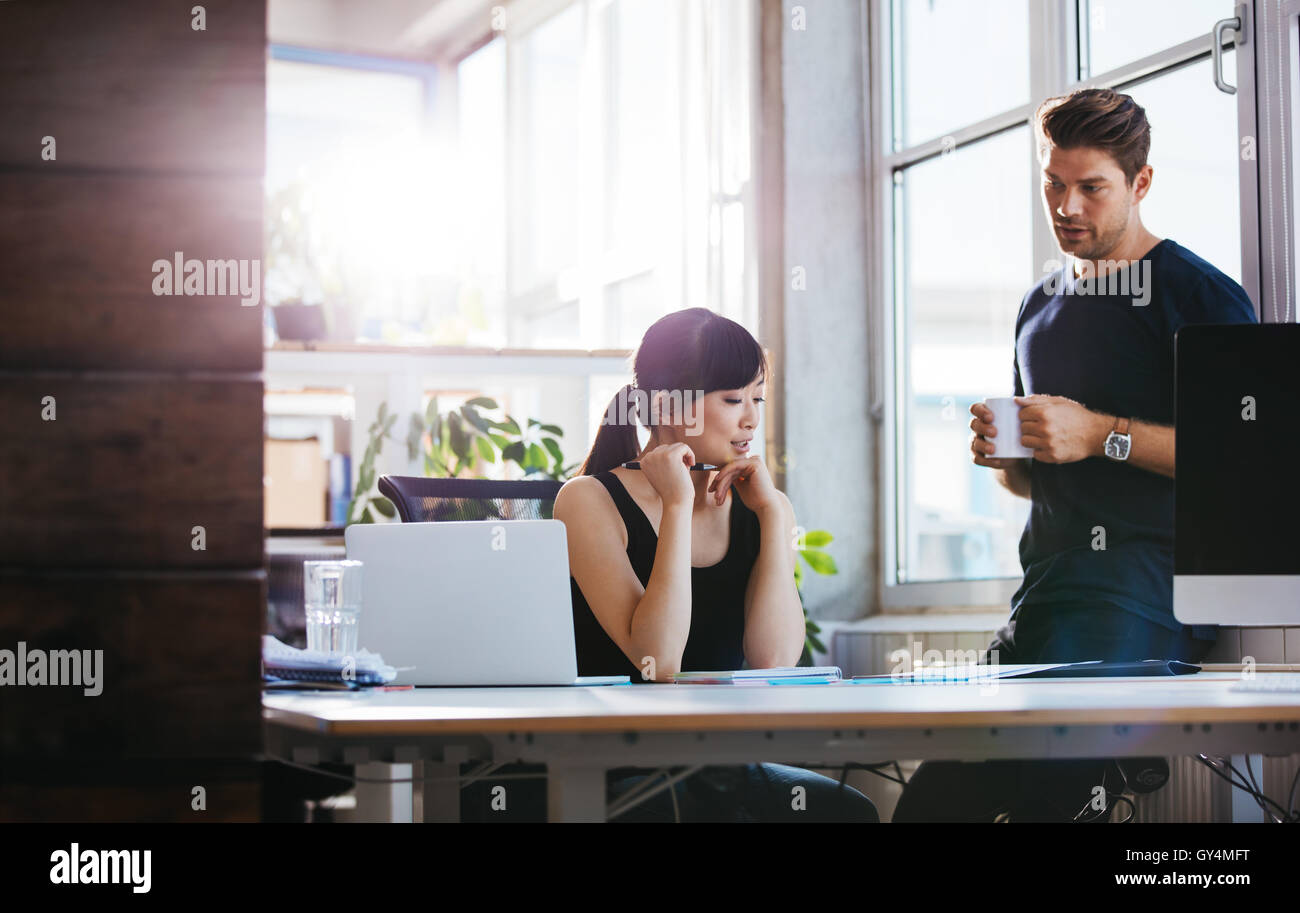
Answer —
1216 51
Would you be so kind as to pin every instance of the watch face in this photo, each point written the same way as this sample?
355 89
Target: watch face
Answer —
1117 446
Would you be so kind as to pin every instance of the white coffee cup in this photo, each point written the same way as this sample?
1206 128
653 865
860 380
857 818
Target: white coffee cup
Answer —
1006 419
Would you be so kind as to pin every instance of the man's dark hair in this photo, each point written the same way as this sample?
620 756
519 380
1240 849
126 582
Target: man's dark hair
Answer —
1098 119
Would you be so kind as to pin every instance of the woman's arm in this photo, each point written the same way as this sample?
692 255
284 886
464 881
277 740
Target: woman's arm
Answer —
774 621
649 624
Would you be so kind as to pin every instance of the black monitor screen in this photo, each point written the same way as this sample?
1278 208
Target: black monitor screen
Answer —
1237 461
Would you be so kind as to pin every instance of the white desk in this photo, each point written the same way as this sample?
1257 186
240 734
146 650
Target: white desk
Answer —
581 732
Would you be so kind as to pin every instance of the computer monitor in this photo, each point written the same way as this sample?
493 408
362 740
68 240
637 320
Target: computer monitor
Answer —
1237 474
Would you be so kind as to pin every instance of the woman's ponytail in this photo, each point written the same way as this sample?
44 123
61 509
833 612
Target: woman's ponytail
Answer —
616 441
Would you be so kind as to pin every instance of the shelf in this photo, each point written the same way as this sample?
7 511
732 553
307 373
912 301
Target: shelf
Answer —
382 348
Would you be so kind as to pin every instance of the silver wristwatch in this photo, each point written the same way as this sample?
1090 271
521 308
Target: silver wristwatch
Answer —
1119 441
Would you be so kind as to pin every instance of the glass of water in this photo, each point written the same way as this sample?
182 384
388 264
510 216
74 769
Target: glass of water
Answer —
332 598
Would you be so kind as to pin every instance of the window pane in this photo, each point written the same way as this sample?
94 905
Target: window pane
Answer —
550 66
481 201
339 231
1122 31
639 142
1195 195
629 150
960 63
964 223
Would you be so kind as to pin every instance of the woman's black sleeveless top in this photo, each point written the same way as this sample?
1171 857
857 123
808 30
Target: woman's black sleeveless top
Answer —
716 639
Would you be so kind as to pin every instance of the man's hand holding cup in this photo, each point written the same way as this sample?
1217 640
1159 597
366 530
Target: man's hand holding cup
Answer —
986 446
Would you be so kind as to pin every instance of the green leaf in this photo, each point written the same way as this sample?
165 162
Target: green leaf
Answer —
553 429
384 506
798 575
816 644
536 457
388 425
413 438
554 448
514 452
500 440
817 538
485 450
459 441
482 402
431 412
820 562
813 626
510 425
472 416
367 516
383 411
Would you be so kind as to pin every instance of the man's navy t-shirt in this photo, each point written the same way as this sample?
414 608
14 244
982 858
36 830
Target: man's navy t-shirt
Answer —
1089 341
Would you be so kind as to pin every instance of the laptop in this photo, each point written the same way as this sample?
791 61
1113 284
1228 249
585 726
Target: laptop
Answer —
474 602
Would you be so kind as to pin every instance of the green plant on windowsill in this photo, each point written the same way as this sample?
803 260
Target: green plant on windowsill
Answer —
367 504
460 442
811 549
462 439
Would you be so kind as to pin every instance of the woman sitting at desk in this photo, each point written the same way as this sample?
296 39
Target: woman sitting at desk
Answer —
680 570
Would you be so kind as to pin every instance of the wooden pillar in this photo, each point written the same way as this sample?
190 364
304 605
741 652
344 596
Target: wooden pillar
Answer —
131 133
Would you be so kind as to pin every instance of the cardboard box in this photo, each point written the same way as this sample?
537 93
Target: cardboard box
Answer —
297 483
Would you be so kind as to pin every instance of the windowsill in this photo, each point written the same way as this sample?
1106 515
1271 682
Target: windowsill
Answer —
323 345
974 621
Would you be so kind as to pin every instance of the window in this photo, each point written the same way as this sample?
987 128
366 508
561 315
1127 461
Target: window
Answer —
960 265
627 170
929 37
1117 32
958 203
479 205
578 176
352 186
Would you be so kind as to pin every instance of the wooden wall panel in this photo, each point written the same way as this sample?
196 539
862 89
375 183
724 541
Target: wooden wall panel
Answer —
77 289
126 470
180 672
129 84
138 791
159 134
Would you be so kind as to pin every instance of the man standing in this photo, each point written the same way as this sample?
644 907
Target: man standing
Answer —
1094 375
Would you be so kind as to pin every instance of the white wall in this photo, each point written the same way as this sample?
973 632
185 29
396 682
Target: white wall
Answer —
830 439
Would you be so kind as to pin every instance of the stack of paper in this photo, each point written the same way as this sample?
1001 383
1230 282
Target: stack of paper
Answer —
785 675
285 663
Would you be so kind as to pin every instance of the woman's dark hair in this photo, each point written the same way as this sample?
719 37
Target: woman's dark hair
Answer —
689 351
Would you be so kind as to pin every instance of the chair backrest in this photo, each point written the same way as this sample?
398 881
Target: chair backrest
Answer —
421 500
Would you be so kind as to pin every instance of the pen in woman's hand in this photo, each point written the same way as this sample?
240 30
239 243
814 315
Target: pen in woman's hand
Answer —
698 467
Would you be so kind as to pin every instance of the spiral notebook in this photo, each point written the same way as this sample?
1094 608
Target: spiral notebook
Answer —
783 675
283 663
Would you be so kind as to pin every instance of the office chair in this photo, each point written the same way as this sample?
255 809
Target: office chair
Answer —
422 500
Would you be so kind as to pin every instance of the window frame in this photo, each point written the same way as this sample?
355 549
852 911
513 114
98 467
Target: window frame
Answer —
1056 48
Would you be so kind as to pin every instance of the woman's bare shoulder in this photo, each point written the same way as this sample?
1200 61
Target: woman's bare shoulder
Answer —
582 495
584 498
